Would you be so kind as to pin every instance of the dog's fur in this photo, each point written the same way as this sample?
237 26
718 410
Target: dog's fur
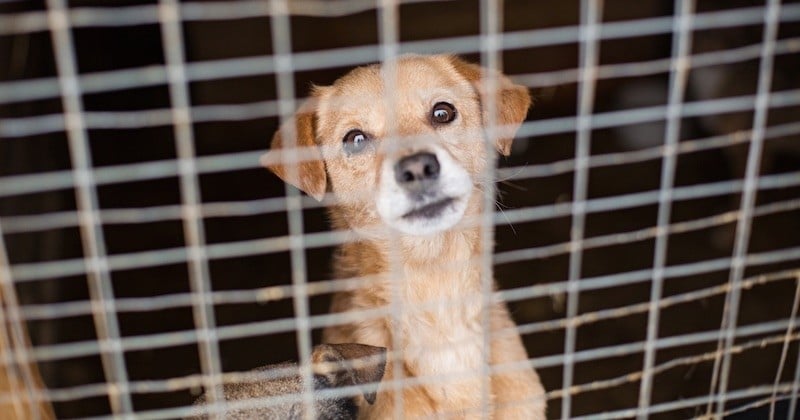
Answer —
424 258
334 366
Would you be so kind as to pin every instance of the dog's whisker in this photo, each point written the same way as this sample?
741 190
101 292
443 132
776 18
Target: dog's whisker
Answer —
512 175
500 209
514 185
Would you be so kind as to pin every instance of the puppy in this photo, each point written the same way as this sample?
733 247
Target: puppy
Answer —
335 365
404 162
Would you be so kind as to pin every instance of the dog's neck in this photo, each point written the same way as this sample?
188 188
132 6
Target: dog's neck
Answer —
446 264
442 267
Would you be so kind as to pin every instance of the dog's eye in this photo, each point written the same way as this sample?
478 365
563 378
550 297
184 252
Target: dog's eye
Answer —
443 113
355 141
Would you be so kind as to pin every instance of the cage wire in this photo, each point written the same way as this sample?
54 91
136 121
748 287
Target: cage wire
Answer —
645 233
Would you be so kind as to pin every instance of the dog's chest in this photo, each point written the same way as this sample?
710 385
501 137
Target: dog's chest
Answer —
443 340
443 333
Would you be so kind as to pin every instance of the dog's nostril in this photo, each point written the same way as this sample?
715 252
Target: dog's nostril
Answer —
416 168
431 170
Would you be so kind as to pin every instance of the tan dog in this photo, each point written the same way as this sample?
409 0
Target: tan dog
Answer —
405 165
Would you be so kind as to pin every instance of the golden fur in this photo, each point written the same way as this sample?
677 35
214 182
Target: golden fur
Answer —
434 278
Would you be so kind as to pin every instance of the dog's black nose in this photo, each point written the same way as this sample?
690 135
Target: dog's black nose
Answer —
417 171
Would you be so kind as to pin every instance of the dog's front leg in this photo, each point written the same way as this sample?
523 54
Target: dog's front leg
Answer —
516 387
415 400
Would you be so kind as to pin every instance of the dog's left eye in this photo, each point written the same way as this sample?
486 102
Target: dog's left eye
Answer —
443 113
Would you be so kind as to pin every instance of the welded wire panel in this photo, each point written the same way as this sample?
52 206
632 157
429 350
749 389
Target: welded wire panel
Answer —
642 232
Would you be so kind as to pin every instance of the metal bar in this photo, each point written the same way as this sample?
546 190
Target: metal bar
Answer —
591 11
312 60
253 329
285 65
86 391
785 348
656 66
92 238
55 220
591 15
28 126
684 403
191 11
71 309
388 17
795 388
681 45
69 267
491 23
193 230
759 403
623 311
741 242
26 184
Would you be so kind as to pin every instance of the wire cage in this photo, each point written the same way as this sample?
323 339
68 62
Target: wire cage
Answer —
646 232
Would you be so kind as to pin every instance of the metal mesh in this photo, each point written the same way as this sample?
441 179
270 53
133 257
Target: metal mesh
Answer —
646 236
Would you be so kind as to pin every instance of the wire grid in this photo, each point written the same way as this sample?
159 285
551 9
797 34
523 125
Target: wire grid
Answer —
97 264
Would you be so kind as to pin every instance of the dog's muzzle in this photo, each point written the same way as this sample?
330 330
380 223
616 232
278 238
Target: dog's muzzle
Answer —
423 191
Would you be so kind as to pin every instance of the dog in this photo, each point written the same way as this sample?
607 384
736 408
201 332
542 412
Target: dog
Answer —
403 162
334 366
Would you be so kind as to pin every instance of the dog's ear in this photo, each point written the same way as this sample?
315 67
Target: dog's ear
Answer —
350 364
310 175
512 101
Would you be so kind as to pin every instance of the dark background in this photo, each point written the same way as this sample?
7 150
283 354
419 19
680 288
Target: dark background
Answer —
30 56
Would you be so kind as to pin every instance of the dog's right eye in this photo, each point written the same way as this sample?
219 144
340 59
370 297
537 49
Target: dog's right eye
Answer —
355 141
443 113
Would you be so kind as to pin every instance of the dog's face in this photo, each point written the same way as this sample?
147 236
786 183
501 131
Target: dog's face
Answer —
409 156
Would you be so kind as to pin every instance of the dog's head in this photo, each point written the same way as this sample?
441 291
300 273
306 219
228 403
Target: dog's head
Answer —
408 155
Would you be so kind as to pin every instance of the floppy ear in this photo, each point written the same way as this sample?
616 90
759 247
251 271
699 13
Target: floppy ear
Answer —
512 101
310 175
350 364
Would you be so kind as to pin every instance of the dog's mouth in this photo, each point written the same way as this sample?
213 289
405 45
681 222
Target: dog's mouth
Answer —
430 210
